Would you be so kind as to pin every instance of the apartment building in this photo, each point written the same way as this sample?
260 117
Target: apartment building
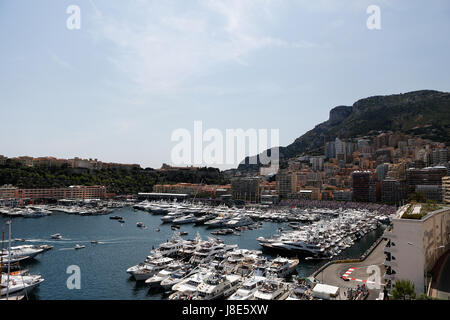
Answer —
72 192
446 190
414 245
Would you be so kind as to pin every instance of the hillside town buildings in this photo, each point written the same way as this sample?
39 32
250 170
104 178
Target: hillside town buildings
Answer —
386 167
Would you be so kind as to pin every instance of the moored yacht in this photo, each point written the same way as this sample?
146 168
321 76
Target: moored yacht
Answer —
248 289
176 277
156 280
189 285
145 270
240 221
217 222
283 267
28 251
272 289
218 286
21 284
172 216
190 218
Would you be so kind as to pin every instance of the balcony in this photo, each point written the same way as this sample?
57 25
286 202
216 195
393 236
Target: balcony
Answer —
390 277
389 249
390 263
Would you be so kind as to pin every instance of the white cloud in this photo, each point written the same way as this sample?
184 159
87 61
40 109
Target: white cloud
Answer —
59 61
170 46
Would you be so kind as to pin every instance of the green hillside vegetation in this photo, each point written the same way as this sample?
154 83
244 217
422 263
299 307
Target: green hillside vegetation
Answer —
119 181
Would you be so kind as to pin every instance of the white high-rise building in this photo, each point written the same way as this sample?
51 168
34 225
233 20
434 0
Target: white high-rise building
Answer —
340 147
415 244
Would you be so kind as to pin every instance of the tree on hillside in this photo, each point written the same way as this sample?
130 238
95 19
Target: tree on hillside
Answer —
403 290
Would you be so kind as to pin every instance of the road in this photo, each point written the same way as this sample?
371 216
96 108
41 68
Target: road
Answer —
332 275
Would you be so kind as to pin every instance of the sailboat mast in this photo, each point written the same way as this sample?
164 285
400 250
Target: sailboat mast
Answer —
1 258
9 260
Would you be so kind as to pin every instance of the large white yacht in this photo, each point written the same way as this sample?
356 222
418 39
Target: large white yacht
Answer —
172 247
176 277
190 218
145 270
272 289
240 221
189 285
28 251
172 216
218 286
218 222
156 280
295 241
283 267
208 250
248 289
19 284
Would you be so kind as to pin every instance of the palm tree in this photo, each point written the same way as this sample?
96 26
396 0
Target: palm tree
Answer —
403 289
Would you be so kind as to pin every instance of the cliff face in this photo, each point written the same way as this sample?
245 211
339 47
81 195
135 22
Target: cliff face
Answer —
339 114
423 113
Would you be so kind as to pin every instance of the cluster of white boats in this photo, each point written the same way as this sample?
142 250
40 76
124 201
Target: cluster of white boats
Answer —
86 209
209 269
322 233
327 237
15 282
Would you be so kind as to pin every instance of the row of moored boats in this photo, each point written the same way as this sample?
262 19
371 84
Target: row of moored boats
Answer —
209 269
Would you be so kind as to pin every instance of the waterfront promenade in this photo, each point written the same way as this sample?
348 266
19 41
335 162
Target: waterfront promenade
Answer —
357 270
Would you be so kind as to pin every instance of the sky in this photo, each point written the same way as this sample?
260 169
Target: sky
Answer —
135 71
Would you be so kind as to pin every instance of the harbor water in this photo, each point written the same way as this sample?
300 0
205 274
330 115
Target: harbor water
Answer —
121 245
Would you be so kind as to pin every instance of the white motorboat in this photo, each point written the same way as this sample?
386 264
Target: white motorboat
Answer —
36 214
218 286
217 222
78 247
175 278
172 216
56 236
206 251
190 284
28 251
173 246
298 293
248 289
146 270
283 267
156 280
240 221
19 284
190 218
272 289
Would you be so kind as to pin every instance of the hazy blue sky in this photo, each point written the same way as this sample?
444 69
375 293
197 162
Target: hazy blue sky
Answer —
137 70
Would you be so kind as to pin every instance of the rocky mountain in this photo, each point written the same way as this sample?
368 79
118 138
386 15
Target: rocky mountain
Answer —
423 113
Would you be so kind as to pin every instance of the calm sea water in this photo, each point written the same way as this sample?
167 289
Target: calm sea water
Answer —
121 246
